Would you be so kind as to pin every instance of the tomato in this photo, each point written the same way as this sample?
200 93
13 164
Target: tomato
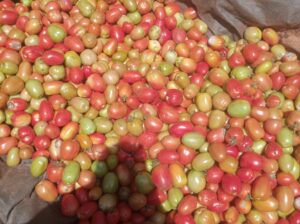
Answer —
234 88
54 172
181 128
231 184
214 175
46 191
207 197
261 188
168 156
285 197
187 205
186 154
234 136
251 160
87 210
246 174
217 151
69 205
168 114
273 150
69 149
161 177
236 59
251 52
98 217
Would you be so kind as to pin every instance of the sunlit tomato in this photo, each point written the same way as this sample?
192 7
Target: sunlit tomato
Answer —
273 150
234 136
236 59
187 205
231 184
251 160
261 188
54 172
161 177
251 52
206 197
69 149
174 97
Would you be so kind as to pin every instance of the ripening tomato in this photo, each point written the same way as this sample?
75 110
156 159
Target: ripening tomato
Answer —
261 188
187 205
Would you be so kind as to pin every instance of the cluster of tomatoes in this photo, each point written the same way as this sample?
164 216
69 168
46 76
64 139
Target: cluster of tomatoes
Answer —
132 114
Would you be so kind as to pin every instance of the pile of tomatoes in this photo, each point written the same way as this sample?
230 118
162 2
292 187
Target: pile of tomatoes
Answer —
132 114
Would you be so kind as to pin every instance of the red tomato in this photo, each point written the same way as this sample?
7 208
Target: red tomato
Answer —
69 205
161 177
174 97
214 175
251 160
167 156
234 88
273 150
181 128
251 52
236 59
231 184
98 218
234 136
207 197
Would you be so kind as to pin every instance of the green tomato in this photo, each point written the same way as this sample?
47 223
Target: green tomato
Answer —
57 72
72 59
86 8
130 5
86 126
239 108
166 68
9 68
175 195
99 168
241 72
56 33
71 173
134 17
143 182
110 183
286 163
34 88
285 137
165 206
13 158
154 32
258 146
38 166
296 170
193 140
112 161
213 89
196 181
264 67
202 162
40 67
